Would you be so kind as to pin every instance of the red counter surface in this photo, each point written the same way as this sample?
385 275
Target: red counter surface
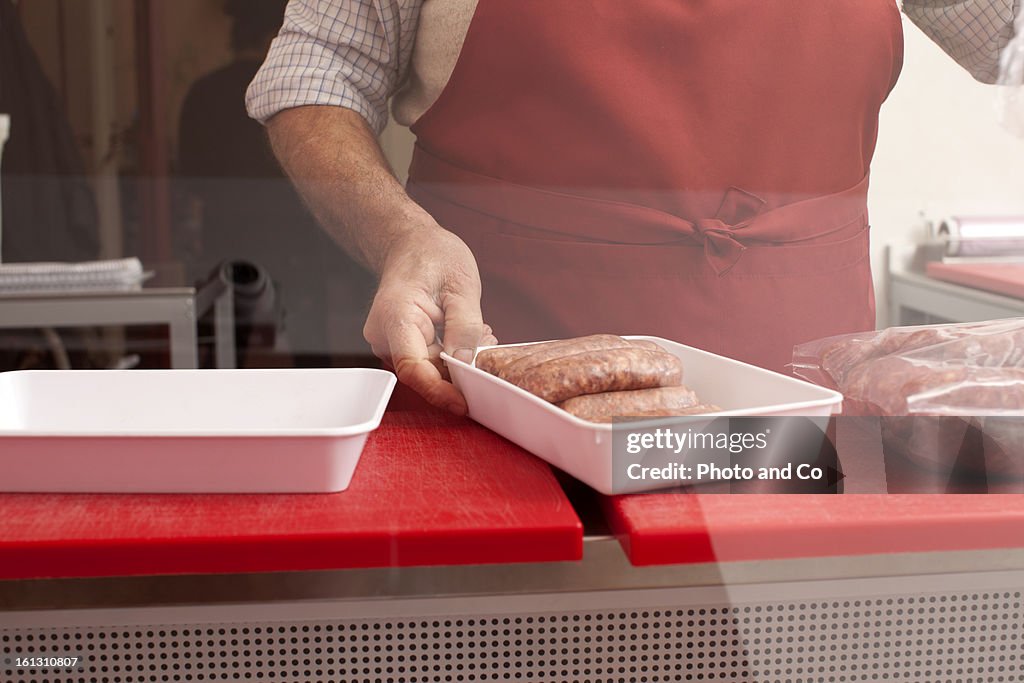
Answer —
916 517
1001 278
437 490
429 489
692 528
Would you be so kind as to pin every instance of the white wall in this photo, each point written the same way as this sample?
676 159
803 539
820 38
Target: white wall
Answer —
941 151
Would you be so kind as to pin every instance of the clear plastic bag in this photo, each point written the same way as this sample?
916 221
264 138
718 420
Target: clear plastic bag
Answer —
963 369
950 397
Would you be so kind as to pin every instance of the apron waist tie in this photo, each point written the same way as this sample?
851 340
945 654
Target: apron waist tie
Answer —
721 248
740 215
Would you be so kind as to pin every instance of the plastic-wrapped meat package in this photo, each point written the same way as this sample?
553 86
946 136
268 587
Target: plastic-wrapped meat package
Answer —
950 396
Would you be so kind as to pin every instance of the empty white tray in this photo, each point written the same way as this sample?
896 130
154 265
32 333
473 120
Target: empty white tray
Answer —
584 449
226 431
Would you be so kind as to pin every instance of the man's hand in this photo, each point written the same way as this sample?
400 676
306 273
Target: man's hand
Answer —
429 281
428 276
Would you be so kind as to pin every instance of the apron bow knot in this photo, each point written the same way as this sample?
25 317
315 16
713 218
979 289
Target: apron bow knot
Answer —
737 211
721 248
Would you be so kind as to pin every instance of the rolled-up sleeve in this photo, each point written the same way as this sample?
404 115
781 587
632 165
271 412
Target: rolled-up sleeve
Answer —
345 53
973 32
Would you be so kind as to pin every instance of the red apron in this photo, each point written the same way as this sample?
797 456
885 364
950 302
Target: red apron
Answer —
692 169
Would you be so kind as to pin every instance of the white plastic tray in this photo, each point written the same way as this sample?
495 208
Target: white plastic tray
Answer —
164 431
584 449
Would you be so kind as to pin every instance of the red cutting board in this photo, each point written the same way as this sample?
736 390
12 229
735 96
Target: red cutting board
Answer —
686 528
430 489
694 528
1001 278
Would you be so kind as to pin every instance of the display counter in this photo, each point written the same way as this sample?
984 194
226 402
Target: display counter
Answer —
456 556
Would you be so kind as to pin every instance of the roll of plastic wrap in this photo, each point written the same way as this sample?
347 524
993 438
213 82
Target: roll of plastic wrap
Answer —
983 235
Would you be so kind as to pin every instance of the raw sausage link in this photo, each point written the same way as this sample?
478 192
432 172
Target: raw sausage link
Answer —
603 407
699 409
492 360
645 344
542 353
702 409
593 372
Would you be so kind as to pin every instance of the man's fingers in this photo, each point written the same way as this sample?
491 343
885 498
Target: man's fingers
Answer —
463 326
411 359
434 354
381 352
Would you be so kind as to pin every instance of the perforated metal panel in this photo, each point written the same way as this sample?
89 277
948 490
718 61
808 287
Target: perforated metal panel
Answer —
946 637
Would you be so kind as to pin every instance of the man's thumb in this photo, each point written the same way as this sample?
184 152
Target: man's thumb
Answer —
463 327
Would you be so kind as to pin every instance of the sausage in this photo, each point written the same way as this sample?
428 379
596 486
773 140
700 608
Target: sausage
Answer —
603 407
700 409
492 360
960 344
594 372
541 353
645 344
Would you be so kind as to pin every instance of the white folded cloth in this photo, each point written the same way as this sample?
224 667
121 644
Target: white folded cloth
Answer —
124 273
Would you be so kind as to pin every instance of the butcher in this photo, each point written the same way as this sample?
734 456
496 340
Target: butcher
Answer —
694 170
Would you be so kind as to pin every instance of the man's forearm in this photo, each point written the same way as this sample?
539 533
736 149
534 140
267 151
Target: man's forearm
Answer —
334 159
